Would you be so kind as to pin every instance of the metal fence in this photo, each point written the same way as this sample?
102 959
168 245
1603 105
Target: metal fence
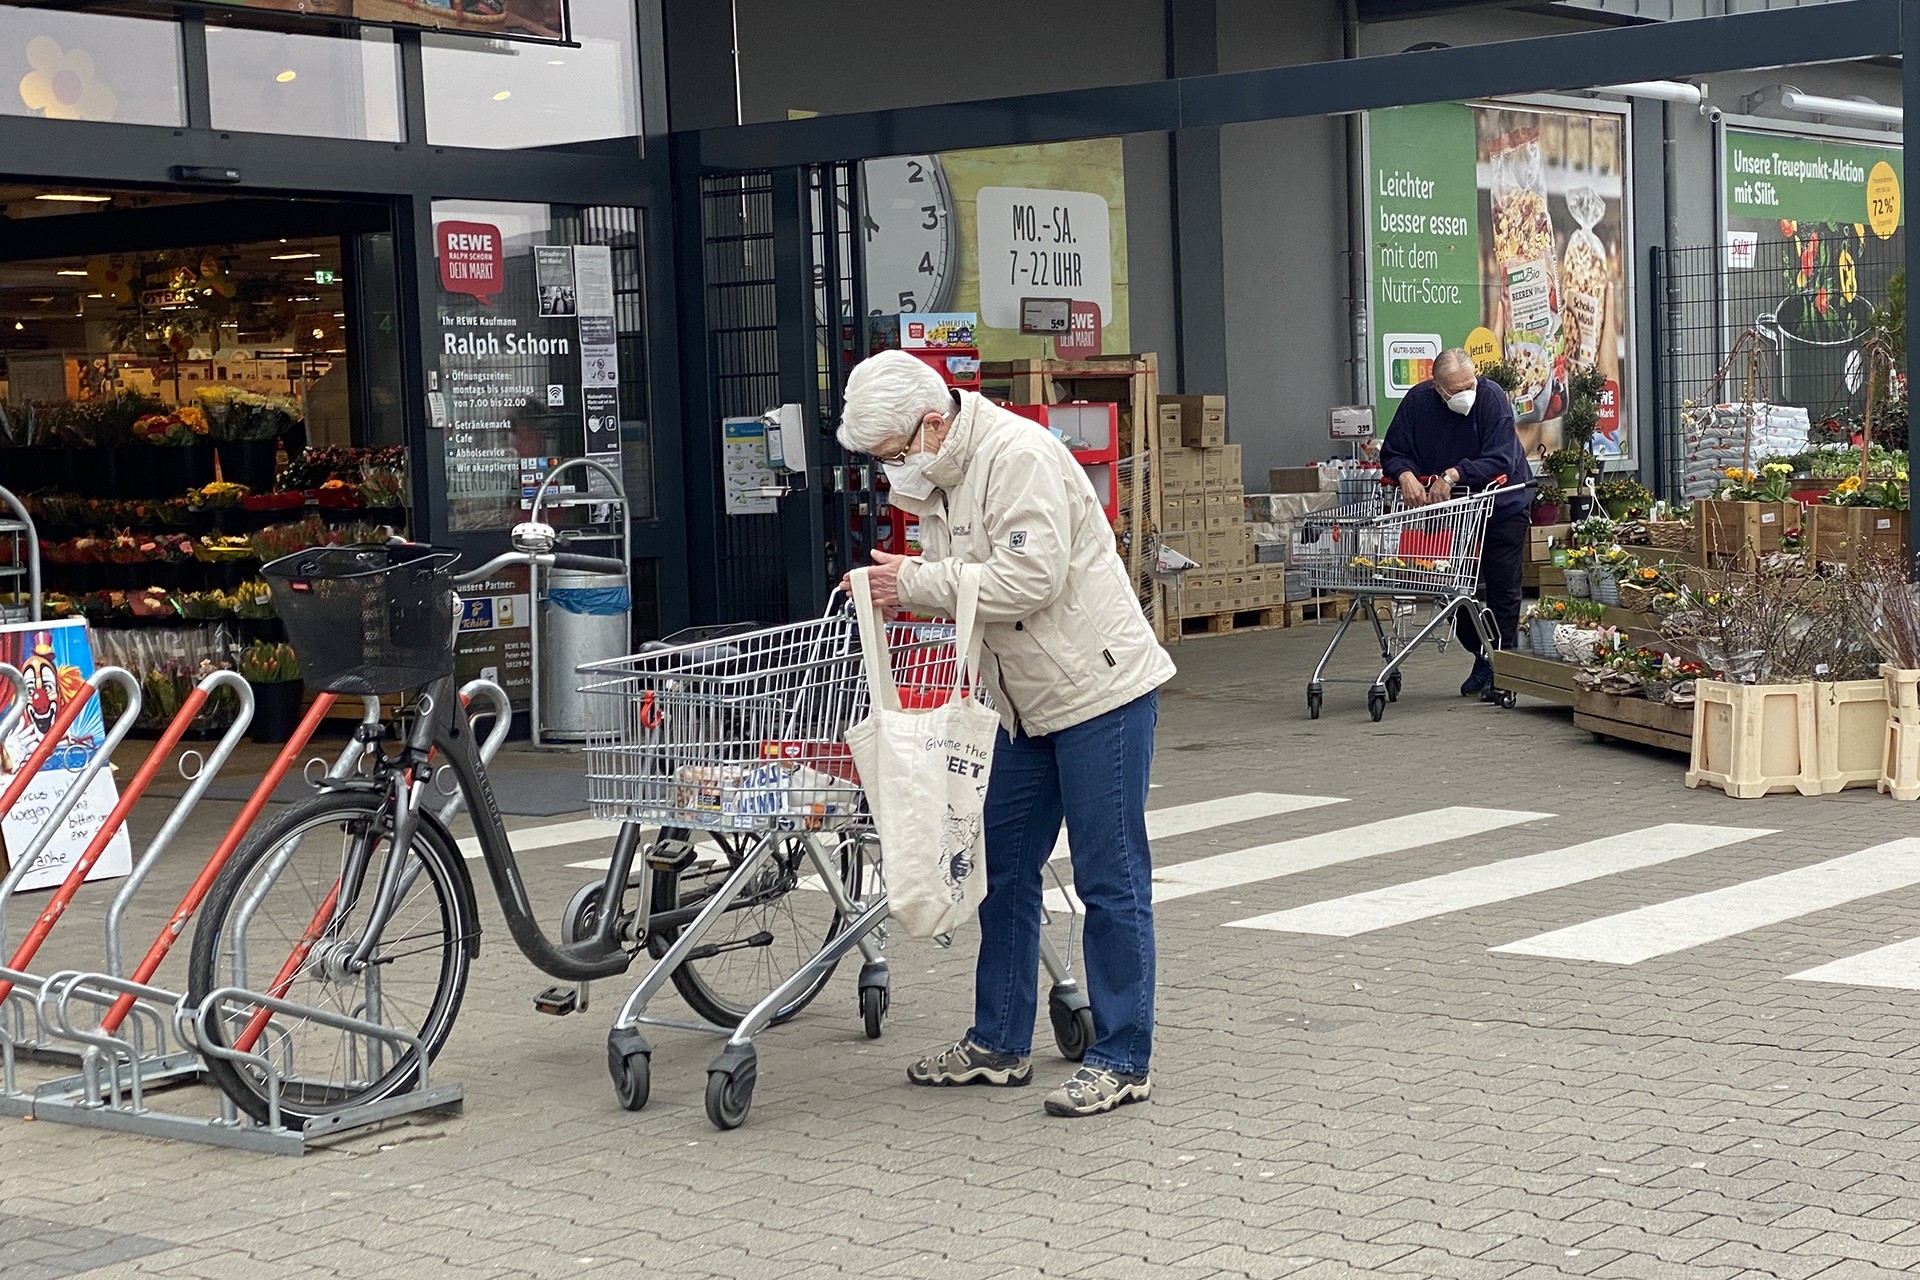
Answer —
1806 306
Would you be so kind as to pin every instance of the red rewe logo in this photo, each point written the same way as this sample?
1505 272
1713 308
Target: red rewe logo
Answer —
470 258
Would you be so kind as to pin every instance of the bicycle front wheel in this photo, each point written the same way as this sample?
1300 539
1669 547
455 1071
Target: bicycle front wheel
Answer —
283 919
781 920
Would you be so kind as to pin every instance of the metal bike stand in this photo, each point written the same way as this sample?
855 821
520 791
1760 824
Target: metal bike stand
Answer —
111 1091
26 548
620 530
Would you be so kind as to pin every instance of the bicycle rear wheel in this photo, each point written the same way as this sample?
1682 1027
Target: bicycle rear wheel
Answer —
782 920
280 919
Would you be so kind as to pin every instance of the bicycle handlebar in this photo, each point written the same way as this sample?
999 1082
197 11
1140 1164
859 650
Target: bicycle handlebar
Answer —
555 560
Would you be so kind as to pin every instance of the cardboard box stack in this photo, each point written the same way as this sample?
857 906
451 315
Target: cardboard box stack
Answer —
1203 510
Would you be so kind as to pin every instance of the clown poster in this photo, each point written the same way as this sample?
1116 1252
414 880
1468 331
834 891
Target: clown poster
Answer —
56 658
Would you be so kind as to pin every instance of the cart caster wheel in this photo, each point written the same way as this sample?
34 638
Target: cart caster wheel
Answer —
1072 1029
1377 703
1508 698
630 1063
873 1010
730 1096
633 1080
1313 705
1393 687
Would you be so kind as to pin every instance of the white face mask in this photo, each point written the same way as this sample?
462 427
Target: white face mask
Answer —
1461 402
908 478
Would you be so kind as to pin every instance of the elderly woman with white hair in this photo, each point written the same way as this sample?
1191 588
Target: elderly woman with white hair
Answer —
1074 669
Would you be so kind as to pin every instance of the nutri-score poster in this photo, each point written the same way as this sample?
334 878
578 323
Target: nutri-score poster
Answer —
56 659
1501 230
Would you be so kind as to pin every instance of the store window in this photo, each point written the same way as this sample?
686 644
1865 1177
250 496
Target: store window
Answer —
539 353
312 86
505 94
90 66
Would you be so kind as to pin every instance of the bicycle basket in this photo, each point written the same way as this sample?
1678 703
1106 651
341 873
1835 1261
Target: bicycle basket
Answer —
367 619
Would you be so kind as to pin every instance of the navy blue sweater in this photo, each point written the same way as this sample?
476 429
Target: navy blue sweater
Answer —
1426 438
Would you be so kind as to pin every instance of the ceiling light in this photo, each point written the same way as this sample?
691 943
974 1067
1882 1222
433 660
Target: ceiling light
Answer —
1841 108
556 62
41 299
70 273
18 325
306 297
339 315
287 76
503 95
292 257
69 197
96 295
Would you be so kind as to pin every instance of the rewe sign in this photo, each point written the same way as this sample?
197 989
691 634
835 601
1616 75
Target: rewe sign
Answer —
471 261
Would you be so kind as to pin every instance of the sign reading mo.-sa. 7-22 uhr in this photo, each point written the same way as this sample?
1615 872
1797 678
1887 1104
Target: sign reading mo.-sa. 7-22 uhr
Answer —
500 19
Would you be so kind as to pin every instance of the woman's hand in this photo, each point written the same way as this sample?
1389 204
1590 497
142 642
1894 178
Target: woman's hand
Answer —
883 581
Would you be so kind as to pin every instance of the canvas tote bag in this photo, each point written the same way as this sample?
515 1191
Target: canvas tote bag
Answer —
925 774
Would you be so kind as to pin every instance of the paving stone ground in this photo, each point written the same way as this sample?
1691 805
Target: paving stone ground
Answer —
1402 1103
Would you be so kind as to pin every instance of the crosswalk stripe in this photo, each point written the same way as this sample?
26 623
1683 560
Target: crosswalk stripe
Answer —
1499 881
1185 819
550 836
1896 966
1309 853
1633 936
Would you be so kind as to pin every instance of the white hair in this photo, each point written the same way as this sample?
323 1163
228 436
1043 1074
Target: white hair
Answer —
1452 360
887 395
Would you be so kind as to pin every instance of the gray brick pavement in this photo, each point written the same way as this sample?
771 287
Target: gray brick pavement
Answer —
1396 1104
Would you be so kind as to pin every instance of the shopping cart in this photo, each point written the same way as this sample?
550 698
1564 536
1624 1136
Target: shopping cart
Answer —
743 738
1377 548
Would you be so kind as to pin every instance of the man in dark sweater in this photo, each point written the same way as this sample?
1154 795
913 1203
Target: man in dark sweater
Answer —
1453 434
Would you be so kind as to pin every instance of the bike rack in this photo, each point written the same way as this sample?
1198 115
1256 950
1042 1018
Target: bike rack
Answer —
118 1070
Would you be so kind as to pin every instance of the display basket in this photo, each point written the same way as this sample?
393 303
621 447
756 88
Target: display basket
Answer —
1397 550
748 732
367 620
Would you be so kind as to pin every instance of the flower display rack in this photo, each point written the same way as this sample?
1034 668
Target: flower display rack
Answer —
1752 740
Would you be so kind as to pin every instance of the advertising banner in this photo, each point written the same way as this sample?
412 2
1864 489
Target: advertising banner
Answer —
56 658
1813 237
1501 230
499 19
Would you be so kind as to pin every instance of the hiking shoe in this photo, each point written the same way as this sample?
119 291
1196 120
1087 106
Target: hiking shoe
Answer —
1091 1091
967 1063
1482 678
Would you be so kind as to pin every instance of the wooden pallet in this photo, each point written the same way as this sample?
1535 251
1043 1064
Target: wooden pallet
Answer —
1654 724
1234 622
1534 676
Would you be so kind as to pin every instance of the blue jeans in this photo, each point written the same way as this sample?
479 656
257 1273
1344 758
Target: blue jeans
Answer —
1095 776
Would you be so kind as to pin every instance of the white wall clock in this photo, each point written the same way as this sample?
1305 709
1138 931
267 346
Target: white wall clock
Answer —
908 241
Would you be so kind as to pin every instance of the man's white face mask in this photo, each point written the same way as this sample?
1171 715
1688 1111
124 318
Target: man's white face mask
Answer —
1461 402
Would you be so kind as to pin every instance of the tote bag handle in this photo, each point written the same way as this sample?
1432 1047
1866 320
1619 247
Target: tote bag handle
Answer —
874 651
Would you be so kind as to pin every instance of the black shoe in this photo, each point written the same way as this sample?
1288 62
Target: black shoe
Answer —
1481 681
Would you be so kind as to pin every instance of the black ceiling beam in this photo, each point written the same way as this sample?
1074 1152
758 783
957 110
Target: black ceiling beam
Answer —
1391 10
1843 30
177 226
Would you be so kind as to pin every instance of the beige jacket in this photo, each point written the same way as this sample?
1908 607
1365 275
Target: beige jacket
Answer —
1064 634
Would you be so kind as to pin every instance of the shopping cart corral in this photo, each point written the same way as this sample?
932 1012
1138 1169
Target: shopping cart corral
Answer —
1381 550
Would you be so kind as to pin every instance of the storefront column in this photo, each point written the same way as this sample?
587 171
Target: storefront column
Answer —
1199 248
1909 175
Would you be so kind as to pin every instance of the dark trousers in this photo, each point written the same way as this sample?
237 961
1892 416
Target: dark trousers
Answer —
1501 558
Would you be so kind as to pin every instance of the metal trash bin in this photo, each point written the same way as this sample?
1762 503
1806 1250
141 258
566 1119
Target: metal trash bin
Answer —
584 617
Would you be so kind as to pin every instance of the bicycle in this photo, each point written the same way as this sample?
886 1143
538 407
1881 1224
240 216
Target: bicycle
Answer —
357 900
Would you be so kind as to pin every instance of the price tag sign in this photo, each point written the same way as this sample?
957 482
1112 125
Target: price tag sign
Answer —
1350 422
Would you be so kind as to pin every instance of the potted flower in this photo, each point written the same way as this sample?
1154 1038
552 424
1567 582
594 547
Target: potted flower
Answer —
1609 565
1579 561
212 502
383 490
253 611
273 673
1568 467
1623 496
1543 624
1547 497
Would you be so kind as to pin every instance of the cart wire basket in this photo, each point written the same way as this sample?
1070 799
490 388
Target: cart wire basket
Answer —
747 732
1378 548
367 620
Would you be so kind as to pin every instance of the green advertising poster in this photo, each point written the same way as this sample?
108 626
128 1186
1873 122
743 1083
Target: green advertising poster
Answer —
1813 238
1500 230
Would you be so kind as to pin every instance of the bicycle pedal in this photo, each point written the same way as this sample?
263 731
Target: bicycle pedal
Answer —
558 1001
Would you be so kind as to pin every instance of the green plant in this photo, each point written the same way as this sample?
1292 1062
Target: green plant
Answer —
1625 493
1771 483
264 662
1548 494
1595 531
1886 494
1503 375
1563 460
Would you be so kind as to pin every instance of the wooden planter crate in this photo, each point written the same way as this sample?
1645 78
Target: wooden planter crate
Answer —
1743 529
1848 535
1534 676
1753 739
1653 724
